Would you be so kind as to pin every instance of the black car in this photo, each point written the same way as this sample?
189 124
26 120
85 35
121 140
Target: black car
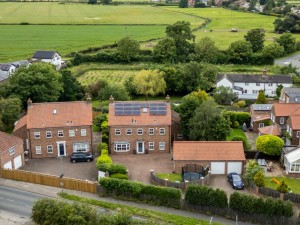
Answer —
81 157
235 180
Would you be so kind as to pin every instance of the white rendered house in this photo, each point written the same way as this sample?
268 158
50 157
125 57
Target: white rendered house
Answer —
247 86
49 57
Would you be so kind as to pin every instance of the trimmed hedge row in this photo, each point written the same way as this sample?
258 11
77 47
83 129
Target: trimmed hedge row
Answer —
112 168
253 205
205 196
164 196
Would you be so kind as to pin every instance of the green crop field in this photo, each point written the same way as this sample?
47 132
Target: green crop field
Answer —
111 76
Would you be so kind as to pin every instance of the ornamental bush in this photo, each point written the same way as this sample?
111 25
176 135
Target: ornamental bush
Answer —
205 196
130 190
112 168
269 144
103 159
119 176
244 140
259 179
282 187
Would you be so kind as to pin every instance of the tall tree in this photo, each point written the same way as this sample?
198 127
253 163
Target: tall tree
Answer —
261 98
149 82
10 110
183 4
240 52
287 41
256 37
128 49
273 50
224 95
118 91
208 123
278 90
165 50
181 32
72 89
206 50
40 82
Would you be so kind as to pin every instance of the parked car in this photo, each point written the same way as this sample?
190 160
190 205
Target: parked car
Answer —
81 157
236 181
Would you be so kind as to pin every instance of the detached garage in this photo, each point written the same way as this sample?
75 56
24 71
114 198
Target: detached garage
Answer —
222 157
11 151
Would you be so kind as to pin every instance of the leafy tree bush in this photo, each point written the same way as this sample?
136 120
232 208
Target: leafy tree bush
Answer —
206 196
273 50
287 41
224 95
165 50
282 187
100 119
104 127
164 196
252 168
102 148
261 98
10 110
244 140
256 37
269 144
183 4
118 91
241 104
105 138
112 168
259 179
119 176
103 159
240 52
128 49
243 117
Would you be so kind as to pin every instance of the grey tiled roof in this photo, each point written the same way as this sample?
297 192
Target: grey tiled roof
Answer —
43 54
261 107
256 78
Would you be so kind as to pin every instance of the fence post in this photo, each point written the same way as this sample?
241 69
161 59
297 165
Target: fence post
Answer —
166 182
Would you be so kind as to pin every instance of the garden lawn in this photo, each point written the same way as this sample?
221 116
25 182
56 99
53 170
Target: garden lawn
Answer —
170 176
236 132
293 183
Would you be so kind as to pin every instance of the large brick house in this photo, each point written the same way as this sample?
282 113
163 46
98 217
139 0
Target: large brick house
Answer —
11 151
139 127
260 116
56 129
290 95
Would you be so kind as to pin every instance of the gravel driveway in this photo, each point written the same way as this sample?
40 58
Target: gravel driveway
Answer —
139 166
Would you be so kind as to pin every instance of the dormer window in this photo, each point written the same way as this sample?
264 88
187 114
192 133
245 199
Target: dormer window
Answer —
281 120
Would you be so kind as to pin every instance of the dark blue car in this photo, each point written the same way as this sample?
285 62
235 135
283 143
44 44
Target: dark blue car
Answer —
236 181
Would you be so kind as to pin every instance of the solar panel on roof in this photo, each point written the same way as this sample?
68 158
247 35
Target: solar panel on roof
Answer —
128 109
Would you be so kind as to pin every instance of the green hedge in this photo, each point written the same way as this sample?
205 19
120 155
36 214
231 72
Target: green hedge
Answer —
112 168
240 117
205 196
130 190
244 140
119 176
252 205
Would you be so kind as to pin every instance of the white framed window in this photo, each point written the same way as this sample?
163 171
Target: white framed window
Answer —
128 131
270 84
72 133
161 145
245 91
296 99
81 147
48 134
117 132
273 92
254 91
60 133
151 145
281 120
83 132
162 131
38 150
261 125
122 147
37 135
12 150
295 167
140 131
246 84
49 149
257 84
298 134
151 131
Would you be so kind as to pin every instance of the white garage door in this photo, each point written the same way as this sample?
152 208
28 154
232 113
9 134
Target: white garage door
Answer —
234 167
7 165
18 162
217 168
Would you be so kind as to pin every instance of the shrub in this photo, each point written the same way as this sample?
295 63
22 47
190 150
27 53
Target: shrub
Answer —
205 196
119 176
243 117
105 138
241 104
282 187
244 140
235 124
259 179
112 168
130 190
252 168
269 144
103 159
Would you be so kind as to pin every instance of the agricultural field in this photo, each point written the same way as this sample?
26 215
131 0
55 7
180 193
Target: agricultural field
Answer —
111 76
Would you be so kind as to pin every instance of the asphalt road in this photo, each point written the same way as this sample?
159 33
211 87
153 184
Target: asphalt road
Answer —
17 202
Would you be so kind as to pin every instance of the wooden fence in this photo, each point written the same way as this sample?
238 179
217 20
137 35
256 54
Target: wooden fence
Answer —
49 180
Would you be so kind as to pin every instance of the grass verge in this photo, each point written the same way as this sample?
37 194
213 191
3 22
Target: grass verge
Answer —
170 176
149 214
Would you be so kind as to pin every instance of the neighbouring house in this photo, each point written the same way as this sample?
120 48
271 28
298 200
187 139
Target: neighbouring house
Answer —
247 86
273 130
49 57
290 95
293 128
176 127
55 129
222 157
292 162
260 116
280 113
11 151
6 70
139 127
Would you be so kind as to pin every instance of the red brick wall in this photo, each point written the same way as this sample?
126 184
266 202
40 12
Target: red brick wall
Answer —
22 133
43 141
132 139
6 157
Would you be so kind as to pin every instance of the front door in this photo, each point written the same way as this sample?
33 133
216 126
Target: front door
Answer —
140 147
61 147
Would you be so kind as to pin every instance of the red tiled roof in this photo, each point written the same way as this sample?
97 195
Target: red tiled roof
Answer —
260 117
7 141
208 150
273 130
20 123
143 119
59 114
295 122
285 109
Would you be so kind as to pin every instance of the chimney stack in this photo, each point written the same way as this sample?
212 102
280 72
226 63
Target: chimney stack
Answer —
168 99
29 102
88 98
111 99
264 72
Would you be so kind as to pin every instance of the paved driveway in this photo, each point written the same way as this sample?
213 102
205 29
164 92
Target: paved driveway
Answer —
82 170
139 166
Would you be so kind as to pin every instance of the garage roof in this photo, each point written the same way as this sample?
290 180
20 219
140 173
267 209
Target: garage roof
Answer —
209 150
7 141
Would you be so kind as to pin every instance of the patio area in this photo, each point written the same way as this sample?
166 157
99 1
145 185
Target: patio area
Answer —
277 170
